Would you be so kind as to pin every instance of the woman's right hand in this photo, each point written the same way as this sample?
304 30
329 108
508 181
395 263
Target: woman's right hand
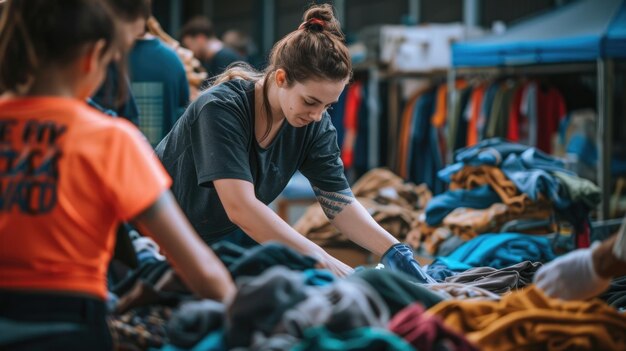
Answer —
192 259
337 267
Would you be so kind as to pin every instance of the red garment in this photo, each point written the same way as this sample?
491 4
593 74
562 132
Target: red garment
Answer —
351 122
518 124
552 110
583 236
426 332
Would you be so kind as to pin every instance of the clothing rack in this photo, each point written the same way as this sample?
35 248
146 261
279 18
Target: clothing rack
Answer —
604 69
377 74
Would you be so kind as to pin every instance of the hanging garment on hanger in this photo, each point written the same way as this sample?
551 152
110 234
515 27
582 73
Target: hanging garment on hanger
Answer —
439 118
528 107
424 154
419 137
489 128
498 120
475 108
485 110
552 112
405 132
457 125
519 123
351 120
362 152
337 114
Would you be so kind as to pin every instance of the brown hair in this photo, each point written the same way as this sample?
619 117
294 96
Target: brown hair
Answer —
196 26
37 33
316 50
131 10
127 11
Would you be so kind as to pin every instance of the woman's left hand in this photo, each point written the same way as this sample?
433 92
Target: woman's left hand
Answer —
337 267
399 257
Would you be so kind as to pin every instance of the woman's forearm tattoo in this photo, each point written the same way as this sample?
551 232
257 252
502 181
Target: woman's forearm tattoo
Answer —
333 202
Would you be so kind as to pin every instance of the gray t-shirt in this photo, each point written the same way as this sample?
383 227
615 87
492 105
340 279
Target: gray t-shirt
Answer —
215 139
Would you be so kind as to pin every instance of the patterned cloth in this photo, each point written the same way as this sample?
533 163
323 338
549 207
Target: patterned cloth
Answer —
140 329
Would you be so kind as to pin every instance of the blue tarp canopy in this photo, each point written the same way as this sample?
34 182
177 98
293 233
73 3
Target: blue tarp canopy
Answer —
579 32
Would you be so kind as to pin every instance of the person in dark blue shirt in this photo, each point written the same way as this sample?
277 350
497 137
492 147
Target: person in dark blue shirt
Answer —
114 96
198 35
159 84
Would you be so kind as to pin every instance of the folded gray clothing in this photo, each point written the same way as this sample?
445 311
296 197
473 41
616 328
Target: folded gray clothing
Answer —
193 321
280 303
260 303
498 281
342 306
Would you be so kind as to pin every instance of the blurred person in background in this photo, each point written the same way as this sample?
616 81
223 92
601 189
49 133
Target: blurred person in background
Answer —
159 85
198 35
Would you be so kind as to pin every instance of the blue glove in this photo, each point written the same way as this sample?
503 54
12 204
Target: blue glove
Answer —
399 257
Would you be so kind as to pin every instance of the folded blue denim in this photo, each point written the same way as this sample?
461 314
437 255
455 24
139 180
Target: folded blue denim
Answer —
530 172
488 152
496 151
441 205
527 167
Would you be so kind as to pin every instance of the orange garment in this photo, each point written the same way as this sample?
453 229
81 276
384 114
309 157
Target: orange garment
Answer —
476 105
441 107
438 119
405 132
471 177
68 176
529 320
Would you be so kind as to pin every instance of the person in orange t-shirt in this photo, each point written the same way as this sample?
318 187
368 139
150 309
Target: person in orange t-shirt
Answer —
69 175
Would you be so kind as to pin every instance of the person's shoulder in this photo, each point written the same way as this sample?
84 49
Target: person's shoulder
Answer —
232 98
166 49
235 91
153 48
96 125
